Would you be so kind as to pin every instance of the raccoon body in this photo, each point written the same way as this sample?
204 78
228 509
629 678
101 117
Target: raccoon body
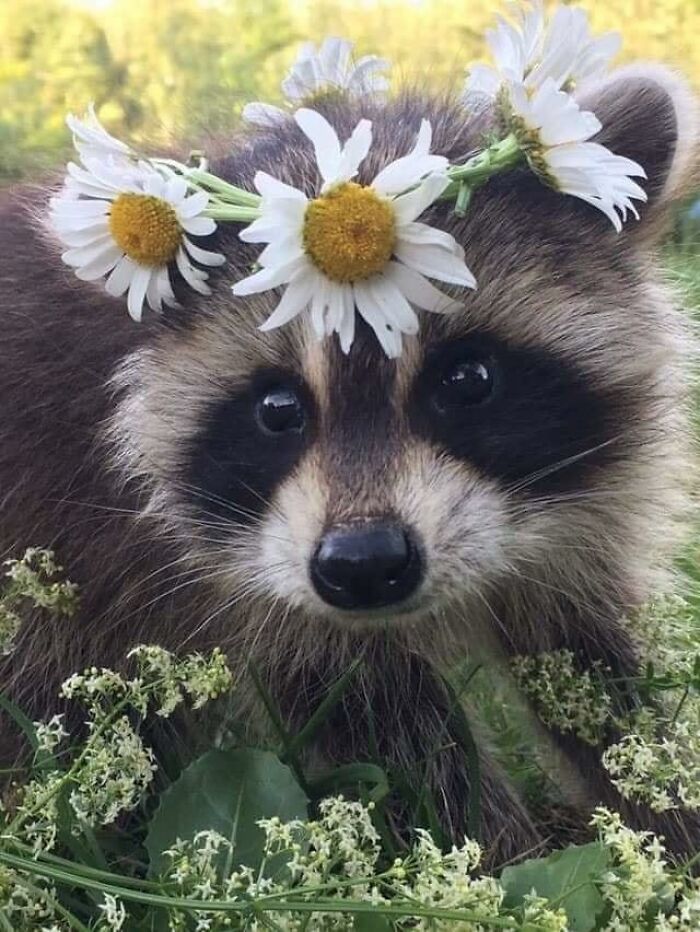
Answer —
513 483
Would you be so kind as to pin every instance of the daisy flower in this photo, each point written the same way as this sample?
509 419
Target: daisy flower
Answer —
527 51
326 71
355 246
92 140
130 223
554 133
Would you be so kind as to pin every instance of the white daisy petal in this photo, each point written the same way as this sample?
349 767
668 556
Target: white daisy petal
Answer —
317 71
92 139
389 338
192 205
176 191
396 309
282 251
268 278
319 303
194 277
346 328
81 255
272 188
410 206
72 209
530 52
99 265
120 277
325 142
65 228
354 151
436 262
410 169
295 299
281 215
419 290
260 114
422 234
82 237
137 291
153 296
165 288
483 80
199 226
203 256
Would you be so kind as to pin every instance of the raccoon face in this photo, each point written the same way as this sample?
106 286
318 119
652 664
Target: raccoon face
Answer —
523 444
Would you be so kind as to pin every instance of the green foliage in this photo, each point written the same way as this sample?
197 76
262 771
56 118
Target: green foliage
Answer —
568 878
248 839
159 69
227 792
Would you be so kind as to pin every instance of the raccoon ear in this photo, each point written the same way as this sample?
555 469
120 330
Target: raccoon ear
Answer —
649 114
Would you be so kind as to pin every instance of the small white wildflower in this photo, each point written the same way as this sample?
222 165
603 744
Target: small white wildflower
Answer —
320 73
50 734
566 698
113 912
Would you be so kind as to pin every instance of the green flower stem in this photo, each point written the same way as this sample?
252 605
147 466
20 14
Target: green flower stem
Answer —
227 192
285 903
501 156
230 212
199 178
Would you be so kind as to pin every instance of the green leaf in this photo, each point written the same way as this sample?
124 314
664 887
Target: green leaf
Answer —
371 922
227 792
566 878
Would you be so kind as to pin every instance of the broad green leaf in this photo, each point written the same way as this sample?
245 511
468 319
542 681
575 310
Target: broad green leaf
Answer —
227 792
567 878
371 922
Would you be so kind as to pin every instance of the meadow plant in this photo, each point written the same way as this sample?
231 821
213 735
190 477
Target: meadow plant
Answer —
97 837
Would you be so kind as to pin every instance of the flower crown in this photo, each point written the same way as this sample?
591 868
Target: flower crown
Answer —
353 247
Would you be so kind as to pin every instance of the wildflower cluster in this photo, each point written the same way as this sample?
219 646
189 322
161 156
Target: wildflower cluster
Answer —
658 760
566 698
110 773
640 889
27 904
33 579
337 856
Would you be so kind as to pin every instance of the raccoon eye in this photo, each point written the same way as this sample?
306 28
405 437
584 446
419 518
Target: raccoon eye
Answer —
280 410
466 382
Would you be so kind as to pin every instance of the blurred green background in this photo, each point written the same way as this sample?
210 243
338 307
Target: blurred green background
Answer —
164 69
160 68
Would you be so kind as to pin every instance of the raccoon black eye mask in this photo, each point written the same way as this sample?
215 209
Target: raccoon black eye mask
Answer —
347 247
513 413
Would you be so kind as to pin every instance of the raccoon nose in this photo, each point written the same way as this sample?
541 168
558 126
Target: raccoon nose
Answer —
365 565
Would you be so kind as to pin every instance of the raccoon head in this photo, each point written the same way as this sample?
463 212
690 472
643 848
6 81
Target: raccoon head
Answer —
522 452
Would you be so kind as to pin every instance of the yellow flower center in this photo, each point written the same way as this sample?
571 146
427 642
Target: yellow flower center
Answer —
146 228
349 233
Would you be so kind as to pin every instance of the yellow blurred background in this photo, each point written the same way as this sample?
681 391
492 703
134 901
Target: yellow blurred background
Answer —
159 68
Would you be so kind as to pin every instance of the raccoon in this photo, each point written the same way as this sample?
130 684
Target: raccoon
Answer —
514 483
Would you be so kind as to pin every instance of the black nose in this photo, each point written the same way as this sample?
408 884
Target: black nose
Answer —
365 565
